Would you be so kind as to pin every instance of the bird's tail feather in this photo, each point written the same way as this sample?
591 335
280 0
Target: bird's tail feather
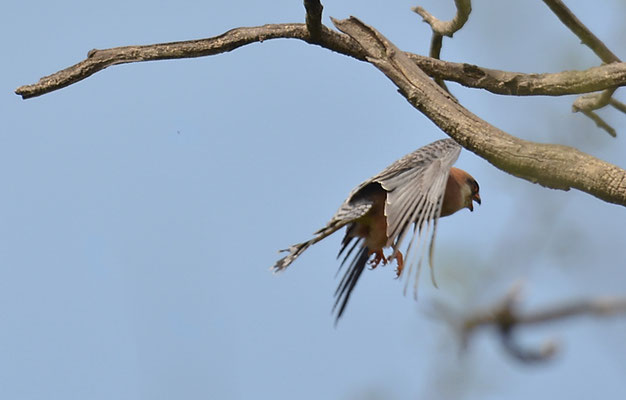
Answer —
349 280
299 248
294 252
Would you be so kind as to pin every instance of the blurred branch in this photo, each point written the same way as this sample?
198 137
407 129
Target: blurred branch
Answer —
447 28
506 317
554 166
587 104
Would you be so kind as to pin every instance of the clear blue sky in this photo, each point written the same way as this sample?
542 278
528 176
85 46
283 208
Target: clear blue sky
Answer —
141 209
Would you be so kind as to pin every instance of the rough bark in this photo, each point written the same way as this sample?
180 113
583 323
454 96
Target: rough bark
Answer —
550 165
554 166
495 81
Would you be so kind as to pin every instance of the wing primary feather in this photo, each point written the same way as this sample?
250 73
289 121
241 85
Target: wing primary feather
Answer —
408 209
407 226
421 228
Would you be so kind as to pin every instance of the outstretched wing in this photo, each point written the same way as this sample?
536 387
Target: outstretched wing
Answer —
415 187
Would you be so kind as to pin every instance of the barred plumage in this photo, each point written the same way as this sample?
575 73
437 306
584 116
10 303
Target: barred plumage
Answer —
382 211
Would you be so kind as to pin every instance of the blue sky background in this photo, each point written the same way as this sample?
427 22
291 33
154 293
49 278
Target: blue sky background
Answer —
141 209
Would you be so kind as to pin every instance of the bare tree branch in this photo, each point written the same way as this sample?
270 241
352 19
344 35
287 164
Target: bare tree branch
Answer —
447 28
98 60
618 105
314 17
600 123
435 52
499 82
554 166
593 101
520 84
586 104
584 34
507 318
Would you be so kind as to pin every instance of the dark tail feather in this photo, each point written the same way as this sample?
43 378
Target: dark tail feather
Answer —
344 245
349 280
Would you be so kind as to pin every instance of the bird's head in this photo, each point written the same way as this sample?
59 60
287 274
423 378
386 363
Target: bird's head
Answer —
470 191
461 192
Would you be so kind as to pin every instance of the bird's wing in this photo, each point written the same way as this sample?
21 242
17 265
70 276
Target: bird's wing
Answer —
348 212
415 187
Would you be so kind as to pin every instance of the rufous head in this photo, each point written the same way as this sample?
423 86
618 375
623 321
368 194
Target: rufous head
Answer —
461 192
470 191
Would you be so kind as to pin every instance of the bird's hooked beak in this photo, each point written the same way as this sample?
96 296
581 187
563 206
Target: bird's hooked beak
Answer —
476 198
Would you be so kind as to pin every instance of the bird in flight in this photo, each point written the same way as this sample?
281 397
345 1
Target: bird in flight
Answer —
407 197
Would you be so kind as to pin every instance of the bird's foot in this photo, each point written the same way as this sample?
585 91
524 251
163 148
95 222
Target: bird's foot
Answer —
378 258
400 259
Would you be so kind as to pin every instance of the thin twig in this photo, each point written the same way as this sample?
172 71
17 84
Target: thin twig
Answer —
584 34
435 52
447 28
600 123
587 104
593 101
618 105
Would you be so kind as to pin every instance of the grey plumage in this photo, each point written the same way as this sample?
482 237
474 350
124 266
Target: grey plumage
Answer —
414 186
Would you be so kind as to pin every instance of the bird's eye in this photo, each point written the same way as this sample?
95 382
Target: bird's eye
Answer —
474 185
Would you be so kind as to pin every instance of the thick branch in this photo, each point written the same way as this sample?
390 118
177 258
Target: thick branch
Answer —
499 82
554 166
